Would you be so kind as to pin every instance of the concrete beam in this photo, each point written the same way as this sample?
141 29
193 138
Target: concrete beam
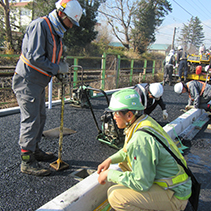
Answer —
182 122
84 196
88 194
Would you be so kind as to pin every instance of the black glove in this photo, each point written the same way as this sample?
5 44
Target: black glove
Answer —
63 78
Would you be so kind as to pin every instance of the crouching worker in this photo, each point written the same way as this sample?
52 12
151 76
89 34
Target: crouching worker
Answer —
199 94
151 179
151 96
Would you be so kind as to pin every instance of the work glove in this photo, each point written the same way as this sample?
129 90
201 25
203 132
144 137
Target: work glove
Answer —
165 114
177 65
188 107
63 67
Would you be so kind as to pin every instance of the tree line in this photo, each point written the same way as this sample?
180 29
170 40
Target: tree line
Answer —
133 23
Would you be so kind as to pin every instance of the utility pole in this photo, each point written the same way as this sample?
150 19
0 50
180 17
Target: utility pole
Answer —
172 44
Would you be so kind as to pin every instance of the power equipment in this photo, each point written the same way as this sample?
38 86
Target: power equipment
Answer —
109 133
78 89
195 61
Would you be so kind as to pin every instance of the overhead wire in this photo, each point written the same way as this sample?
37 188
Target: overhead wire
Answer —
208 12
189 13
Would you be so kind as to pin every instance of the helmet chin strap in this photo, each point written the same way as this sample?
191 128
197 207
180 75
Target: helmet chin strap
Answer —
128 124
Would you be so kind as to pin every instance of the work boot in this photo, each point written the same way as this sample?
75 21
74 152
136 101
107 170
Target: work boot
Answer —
42 156
30 166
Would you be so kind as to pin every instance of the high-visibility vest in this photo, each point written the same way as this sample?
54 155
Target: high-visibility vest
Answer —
53 60
202 90
149 124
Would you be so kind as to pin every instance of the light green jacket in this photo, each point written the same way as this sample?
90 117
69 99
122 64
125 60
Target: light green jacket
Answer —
148 161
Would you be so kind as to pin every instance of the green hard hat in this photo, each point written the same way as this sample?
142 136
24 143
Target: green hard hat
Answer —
125 99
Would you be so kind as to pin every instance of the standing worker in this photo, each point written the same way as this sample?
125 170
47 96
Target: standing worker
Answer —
150 178
182 62
199 94
169 64
151 96
38 63
202 50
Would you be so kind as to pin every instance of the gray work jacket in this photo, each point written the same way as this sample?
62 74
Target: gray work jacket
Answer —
37 49
195 88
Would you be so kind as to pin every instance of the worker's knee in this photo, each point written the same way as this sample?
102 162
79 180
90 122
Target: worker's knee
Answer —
114 198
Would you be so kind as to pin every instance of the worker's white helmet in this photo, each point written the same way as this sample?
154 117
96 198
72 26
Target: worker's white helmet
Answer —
172 51
206 68
178 87
180 47
156 89
71 8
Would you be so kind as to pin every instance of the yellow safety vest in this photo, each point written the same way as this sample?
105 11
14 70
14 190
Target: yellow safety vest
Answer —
149 124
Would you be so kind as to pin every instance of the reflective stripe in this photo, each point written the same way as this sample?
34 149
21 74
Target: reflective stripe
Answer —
181 177
32 66
54 43
53 60
174 181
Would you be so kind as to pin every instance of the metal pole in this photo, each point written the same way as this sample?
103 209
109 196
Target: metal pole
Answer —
50 87
172 45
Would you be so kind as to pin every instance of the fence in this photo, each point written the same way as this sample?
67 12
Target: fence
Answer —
106 72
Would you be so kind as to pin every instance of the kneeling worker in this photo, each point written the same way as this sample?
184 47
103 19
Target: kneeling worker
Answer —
199 94
147 166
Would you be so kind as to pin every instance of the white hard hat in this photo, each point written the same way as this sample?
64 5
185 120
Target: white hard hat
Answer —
71 8
172 51
180 47
178 87
156 89
206 68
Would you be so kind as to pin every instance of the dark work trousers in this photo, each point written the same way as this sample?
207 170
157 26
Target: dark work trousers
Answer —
31 99
183 64
168 70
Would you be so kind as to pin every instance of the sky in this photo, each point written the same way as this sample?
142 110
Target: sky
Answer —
182 12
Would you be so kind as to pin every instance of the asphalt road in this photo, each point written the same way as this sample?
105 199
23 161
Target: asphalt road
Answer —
22 192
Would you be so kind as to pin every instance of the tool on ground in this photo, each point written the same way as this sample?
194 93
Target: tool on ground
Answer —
54 133
109 134
77 89
59 164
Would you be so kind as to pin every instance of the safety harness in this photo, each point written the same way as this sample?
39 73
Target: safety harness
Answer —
53 60
146 124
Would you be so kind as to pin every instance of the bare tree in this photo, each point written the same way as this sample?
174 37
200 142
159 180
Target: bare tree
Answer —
119 14
6 8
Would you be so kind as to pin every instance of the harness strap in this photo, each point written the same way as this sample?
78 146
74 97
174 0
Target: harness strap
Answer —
53 60
54 42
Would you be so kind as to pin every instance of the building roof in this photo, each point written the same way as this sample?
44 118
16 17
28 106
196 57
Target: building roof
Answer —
159 47
116 44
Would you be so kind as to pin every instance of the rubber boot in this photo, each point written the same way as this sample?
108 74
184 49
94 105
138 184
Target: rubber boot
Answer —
42 156
30 166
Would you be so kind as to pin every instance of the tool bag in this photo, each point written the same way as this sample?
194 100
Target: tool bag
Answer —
196 186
